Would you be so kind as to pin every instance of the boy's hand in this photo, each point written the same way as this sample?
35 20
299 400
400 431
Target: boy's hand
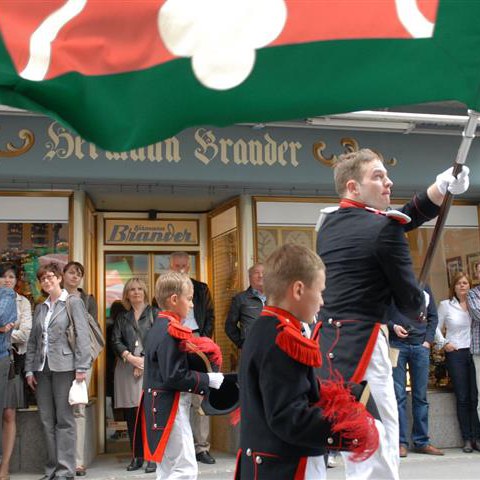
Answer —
215 380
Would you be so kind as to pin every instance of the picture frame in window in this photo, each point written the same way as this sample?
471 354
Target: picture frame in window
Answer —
454 265
473 259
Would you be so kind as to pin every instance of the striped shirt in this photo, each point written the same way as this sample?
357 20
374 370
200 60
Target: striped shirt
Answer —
473 302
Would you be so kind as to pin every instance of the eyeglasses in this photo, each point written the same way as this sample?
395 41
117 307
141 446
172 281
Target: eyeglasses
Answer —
48 277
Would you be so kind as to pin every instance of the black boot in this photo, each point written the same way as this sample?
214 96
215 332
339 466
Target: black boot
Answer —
135 464
151 467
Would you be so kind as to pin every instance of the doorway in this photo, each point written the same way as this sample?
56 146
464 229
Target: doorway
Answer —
118 268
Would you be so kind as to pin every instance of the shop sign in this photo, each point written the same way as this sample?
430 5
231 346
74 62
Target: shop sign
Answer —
151 232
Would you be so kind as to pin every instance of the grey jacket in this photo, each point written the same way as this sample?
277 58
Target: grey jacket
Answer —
60 356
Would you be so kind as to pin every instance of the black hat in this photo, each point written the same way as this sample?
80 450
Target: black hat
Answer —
220 401
224 400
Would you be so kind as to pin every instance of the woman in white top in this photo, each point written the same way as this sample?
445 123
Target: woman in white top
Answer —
453 316
15 387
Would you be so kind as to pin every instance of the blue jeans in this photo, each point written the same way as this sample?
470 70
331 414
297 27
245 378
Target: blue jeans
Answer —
418 359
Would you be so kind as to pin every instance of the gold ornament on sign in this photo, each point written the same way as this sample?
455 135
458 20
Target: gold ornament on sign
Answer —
12 151
349 145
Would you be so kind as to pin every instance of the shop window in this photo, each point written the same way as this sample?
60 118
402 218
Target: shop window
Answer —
30 245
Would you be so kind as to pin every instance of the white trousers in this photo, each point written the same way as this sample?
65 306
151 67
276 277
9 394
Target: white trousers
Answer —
179 460
316 469
384 463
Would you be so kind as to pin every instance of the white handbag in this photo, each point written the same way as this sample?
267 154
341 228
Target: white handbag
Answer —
78 394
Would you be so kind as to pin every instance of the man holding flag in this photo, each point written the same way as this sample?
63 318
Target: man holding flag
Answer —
368 263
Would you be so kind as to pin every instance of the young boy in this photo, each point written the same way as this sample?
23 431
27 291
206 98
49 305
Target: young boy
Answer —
168 383
284 429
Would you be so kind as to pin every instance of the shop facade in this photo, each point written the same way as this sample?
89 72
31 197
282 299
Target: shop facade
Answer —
226 196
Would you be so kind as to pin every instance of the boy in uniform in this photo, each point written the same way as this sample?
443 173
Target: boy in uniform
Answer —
287 419
163 418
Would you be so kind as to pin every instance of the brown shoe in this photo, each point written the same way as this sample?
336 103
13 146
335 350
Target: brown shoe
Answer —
428 450
403 451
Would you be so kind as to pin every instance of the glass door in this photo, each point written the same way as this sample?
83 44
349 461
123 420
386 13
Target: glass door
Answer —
120 267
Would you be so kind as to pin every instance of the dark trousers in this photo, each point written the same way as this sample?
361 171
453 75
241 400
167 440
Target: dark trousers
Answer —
462 372
130 416
4 368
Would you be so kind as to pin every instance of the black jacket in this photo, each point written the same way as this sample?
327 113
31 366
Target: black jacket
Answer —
167 373
368 264
203 308
244 311
278 422
126 331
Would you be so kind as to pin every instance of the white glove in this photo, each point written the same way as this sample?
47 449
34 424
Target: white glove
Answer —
427 298
215 379
455 186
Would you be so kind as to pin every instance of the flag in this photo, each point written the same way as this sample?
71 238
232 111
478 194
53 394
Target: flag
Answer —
125 74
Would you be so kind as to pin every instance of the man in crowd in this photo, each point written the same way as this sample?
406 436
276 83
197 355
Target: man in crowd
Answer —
413 342
201 320
368 263
473 302
246 307
8 317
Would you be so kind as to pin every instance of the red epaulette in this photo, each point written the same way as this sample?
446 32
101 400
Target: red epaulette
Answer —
175 328
290 339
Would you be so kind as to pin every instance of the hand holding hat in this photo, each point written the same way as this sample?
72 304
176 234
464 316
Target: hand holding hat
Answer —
215 379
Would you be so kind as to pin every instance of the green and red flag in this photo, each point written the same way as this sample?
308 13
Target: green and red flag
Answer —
126 73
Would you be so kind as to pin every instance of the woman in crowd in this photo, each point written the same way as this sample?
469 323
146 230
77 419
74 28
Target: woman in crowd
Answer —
453 316
51 365
128 339
73 274
15 395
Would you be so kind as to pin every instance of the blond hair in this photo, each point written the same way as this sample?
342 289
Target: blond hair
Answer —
286 265
128 286
350 167
170 283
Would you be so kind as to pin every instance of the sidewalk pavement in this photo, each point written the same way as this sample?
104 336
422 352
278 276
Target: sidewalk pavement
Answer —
454 465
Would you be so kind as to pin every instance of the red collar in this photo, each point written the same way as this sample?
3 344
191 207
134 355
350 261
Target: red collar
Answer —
284 314
347 203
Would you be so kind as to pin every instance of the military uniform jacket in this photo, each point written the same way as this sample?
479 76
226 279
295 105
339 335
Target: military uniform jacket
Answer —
166 374
280 427
368 263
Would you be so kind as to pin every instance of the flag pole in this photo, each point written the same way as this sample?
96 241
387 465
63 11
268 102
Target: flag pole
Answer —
468 135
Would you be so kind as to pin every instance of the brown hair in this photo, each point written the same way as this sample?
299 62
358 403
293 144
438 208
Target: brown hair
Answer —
455 279
78 266
51 267
170 283
288 264
350 167
128 286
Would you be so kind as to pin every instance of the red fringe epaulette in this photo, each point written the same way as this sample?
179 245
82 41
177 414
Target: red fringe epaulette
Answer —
205 345
291 341
175 328
350 419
